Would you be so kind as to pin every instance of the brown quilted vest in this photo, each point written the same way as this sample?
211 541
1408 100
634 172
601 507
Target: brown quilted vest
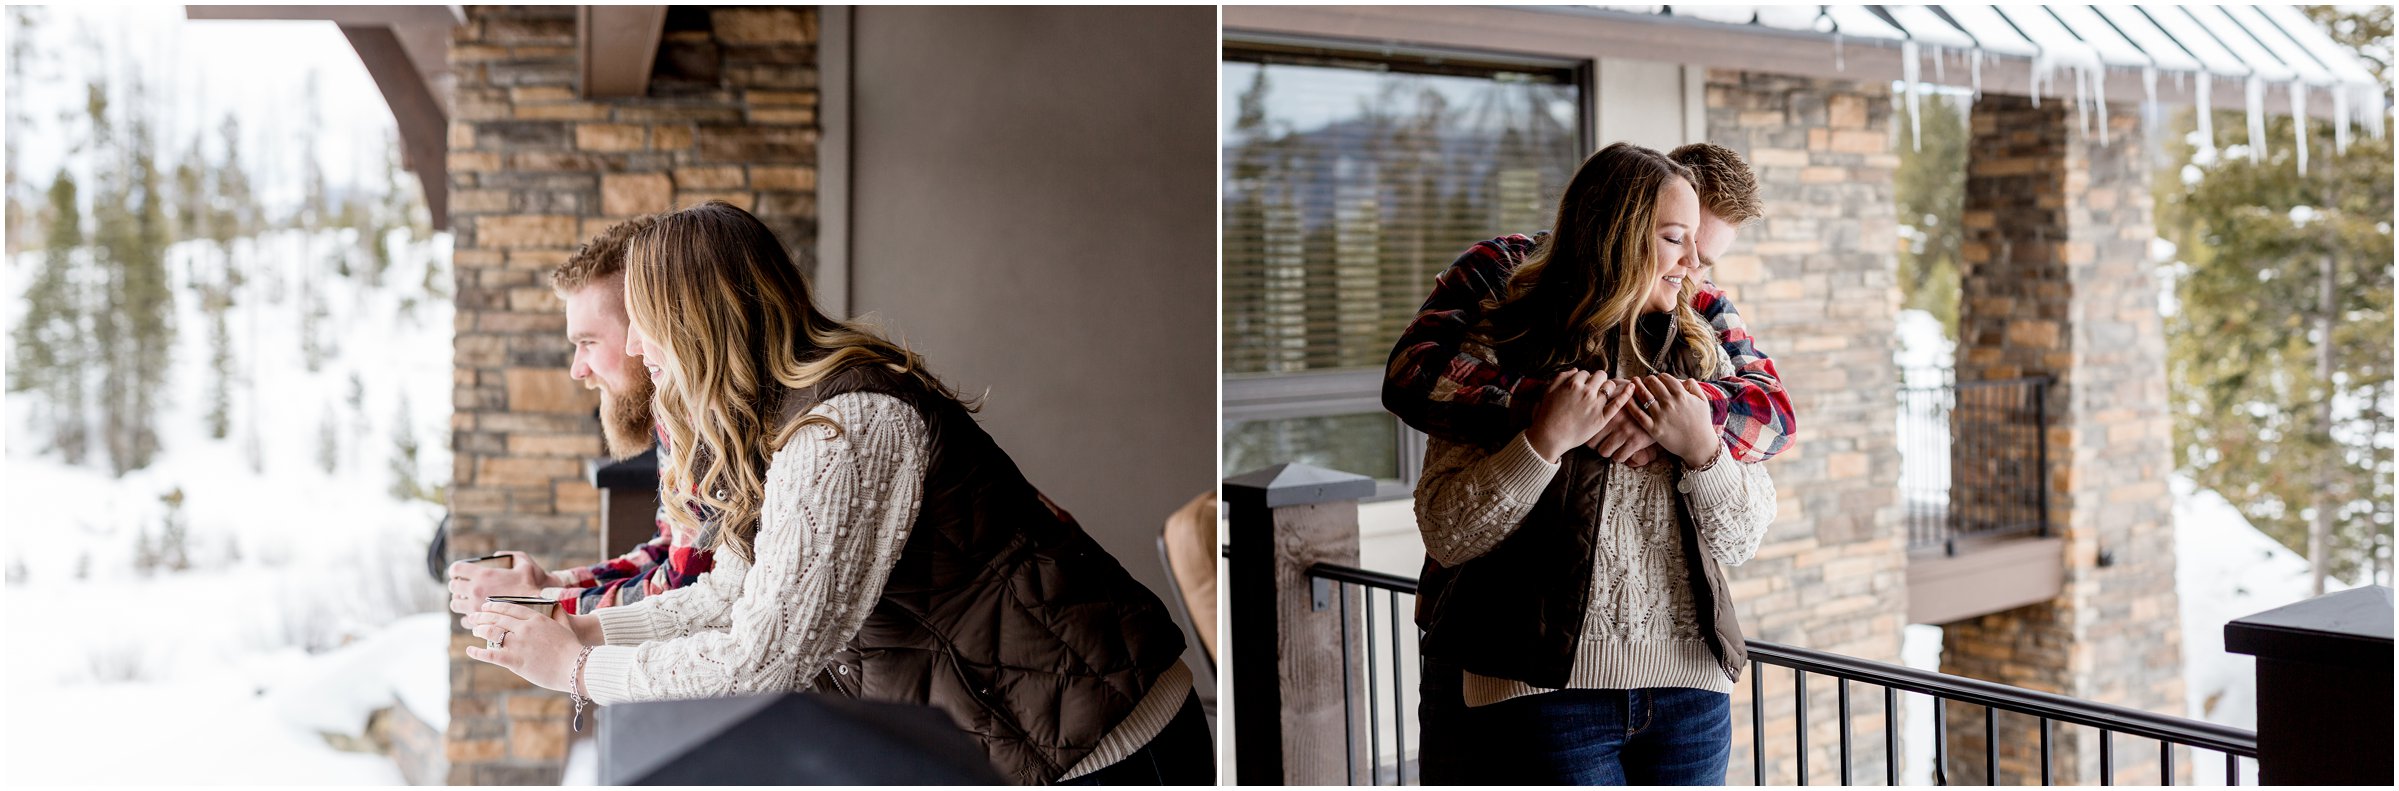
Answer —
1517 611
1000 611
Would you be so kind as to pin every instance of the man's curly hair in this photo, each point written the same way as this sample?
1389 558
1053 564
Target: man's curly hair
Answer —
601 258
1724 182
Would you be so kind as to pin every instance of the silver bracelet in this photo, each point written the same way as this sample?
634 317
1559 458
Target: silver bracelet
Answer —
575 682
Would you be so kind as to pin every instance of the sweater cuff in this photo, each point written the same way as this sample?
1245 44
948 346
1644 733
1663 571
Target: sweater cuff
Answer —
1718 485
626 626
1519 472
608 674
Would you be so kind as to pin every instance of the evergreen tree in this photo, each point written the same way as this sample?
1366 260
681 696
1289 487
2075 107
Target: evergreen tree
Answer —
2280 354
174 534
20 56
329 442
228 218
1930 187
404 455
138 328
51 344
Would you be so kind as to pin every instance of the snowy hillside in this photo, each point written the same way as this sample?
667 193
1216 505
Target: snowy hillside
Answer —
228 671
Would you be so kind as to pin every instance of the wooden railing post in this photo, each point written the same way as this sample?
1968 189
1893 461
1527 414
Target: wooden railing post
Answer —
1289 725
2323 688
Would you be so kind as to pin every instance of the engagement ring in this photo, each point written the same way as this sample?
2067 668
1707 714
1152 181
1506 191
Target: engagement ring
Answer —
496 641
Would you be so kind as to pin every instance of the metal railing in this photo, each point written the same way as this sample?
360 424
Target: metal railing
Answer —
1331 586
1975 463
1328 582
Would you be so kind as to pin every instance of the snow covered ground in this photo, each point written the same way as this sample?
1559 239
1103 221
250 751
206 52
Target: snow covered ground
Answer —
307 604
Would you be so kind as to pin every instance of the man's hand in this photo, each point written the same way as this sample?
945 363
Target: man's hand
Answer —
1624 442
471 584
1578 405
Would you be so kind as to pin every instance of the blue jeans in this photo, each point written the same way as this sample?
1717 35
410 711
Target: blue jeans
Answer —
1658 736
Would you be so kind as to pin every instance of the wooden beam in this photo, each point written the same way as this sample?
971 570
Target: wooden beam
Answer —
617 45
424 128
443 16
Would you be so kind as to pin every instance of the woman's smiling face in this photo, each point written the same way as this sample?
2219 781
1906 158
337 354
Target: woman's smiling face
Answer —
1674 251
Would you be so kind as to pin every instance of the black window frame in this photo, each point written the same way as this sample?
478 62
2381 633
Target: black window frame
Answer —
1251 397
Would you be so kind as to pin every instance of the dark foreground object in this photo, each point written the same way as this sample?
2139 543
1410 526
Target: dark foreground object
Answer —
787 739
2323 688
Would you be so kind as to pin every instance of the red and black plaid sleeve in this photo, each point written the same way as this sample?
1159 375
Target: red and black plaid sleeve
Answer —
1436 388
1433 386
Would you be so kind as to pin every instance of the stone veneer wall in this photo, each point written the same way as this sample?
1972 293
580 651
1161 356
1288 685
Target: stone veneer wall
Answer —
2058 282
1816 281
534 171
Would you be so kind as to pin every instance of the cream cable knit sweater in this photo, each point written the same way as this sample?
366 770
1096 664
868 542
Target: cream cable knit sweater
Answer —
1643 626
837 513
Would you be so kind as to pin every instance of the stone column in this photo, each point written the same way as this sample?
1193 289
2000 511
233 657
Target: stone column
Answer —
534 171
1816 281
2058 283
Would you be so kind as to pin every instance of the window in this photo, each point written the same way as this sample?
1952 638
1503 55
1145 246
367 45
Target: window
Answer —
1349 183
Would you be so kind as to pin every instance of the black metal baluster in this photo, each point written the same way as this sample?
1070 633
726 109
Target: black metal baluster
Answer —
1374 714
1940 741
2107 757
1399 702
2165 768
1890 736
1349 708
2045 751
2232 769
1799 683
1990 746
1757 723
1844 688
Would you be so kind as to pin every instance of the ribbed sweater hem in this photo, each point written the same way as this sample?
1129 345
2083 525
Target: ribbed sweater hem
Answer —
628 626
1150 716
1617 663
606 675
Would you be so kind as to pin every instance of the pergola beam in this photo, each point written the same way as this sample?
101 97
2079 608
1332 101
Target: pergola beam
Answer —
617 45
424 128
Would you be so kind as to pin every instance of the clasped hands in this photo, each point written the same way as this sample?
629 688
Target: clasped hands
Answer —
1622 418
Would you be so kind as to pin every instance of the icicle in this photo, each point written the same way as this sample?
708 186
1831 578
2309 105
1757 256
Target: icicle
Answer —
2082 98
2035 80
2374 108
2099 101
2298 92
2149 97
2257 119
1839 63
1976 61
2207 112
1940 63
1910 68
2340 121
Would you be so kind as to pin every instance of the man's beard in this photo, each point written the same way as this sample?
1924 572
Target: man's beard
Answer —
625 419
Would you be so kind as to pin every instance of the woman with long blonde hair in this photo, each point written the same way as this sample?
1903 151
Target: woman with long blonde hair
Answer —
873 540
1584 599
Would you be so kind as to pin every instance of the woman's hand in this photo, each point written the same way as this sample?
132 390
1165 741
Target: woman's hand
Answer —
1577 405
1675 412
471 584
540 649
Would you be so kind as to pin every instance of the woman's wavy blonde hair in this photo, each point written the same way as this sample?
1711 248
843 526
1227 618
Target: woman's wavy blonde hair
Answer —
712 285
1576 300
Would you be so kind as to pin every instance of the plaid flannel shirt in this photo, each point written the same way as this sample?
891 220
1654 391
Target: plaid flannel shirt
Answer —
1438 389
667 561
